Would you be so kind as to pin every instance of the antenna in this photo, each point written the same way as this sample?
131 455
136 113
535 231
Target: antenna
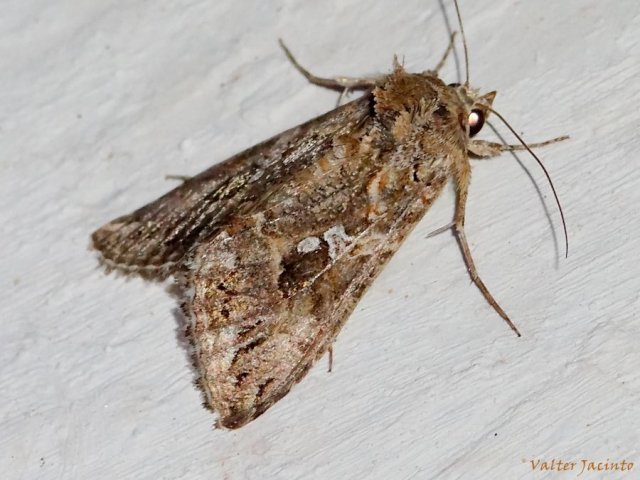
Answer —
464 44
553 189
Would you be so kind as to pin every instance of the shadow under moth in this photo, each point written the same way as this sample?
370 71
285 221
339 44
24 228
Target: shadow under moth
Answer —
274 247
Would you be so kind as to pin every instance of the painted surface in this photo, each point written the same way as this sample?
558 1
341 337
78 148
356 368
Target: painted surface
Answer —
100 100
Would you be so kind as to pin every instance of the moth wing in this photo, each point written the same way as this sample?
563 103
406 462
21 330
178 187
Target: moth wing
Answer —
153 239
269 292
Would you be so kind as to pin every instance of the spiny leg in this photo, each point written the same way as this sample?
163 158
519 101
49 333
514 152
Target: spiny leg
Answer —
442 229
486 149
343 93
462 185
337 83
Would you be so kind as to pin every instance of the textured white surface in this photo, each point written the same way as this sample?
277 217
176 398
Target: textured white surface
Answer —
99 100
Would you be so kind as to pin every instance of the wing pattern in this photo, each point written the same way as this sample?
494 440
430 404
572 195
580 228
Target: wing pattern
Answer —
275 246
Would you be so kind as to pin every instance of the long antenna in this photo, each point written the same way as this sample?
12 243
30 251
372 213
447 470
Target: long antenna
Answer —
553 189
464 44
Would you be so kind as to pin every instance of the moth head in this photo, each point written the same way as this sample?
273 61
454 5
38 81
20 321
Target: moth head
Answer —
478 107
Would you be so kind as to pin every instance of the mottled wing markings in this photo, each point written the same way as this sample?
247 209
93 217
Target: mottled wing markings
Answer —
279 308
153 240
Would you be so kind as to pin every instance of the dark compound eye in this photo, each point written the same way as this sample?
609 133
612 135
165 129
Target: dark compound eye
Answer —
476 122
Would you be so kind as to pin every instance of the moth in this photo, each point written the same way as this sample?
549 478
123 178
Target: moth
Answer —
275 246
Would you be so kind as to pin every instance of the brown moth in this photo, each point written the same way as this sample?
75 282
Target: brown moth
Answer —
275 246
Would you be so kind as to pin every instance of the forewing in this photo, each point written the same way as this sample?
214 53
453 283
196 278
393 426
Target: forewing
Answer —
270 290
153 240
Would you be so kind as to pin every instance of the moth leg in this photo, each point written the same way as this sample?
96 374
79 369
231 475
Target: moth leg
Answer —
343 93
336 83
446 54
330 359
485 149
462 185
182 178
442 229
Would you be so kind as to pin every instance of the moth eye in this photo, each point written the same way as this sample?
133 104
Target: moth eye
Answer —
476 122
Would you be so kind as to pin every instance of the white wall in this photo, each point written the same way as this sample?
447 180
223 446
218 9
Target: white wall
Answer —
100 100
